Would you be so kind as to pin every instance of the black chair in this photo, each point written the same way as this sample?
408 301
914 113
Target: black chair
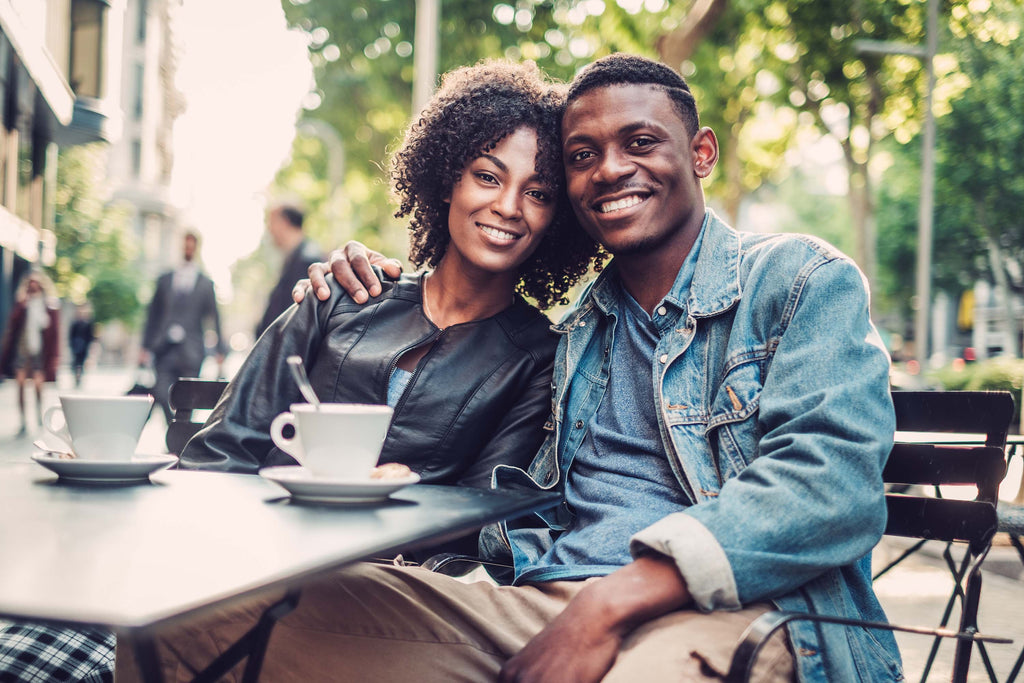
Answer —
930 517
1011 523
188 395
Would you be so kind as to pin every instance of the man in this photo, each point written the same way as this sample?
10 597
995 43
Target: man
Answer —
183 304
720 419
284 225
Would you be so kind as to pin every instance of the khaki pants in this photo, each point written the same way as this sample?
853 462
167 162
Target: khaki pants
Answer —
372 622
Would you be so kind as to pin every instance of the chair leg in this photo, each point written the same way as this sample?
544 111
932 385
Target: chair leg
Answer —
958 576
1016 668
969 624
1015 541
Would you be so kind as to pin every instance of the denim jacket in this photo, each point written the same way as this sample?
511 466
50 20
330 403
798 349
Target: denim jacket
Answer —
774 408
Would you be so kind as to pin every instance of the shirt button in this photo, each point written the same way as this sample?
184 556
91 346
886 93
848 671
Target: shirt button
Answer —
583 323
662 310
664 358
579 424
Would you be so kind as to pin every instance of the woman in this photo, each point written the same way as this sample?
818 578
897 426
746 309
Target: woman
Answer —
457 351
30 345
464 360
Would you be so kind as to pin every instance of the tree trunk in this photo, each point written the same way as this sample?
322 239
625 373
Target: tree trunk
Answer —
1004 293
676 47
862 218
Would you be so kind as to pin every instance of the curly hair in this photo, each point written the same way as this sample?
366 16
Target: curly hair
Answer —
472 111
626 69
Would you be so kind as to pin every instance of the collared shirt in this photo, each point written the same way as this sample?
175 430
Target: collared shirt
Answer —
621 481
185 277
773 402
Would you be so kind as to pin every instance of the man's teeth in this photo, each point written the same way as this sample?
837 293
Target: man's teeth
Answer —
498 234
618 204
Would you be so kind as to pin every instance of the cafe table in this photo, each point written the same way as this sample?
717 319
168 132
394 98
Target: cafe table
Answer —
135 558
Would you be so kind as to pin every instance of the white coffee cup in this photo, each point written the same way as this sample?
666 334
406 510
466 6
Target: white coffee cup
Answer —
336 441
99 427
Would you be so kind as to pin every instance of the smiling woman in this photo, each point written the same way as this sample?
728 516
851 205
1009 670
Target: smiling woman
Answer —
458 353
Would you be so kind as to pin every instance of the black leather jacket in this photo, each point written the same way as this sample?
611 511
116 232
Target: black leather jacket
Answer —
479 397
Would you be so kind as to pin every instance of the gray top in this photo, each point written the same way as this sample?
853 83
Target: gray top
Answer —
133 556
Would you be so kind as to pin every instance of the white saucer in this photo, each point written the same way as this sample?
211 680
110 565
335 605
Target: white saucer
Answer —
76 469
304 486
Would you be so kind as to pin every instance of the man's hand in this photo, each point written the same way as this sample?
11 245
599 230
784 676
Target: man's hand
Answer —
581 644
350 266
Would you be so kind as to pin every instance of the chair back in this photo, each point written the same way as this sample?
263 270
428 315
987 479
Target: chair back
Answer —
188 395
940 463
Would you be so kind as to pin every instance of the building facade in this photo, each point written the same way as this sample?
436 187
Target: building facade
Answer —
140 163
60 68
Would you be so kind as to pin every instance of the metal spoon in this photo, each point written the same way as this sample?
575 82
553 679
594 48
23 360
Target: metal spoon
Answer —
46 448
299 373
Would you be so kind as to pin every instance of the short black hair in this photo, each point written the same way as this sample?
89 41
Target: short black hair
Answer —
292 214
474 109
626 69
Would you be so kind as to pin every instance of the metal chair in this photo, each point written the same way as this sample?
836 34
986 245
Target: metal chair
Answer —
188 395
1011 523
927 517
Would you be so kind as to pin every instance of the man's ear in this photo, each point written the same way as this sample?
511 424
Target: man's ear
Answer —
704 147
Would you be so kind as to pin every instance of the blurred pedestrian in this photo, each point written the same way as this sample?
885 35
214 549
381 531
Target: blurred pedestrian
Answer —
284 225
80 337
173 340
30 346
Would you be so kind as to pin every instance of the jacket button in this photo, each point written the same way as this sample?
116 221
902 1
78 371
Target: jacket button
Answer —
579 424
583 323
662 310
664 358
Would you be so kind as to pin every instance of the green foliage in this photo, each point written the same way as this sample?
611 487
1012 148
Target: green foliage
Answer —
996 374
363 66
979 185
114 296
94 248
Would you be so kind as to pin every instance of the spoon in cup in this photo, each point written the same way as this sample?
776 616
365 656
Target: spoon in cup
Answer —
299 373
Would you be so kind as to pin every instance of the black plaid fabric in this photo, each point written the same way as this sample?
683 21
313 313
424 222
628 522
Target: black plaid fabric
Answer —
31 653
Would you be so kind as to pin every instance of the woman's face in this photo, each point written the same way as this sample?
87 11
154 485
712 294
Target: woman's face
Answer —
499 208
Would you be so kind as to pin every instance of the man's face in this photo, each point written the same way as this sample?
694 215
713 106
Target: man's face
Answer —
277 227
630 169
190 247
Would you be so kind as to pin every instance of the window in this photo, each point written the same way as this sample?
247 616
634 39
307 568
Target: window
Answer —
87 38
140 89
140 21
137 157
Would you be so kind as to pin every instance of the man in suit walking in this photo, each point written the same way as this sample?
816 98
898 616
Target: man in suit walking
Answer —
173 339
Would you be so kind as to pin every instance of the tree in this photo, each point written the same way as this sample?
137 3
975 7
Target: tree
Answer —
979 229
94 248
363 66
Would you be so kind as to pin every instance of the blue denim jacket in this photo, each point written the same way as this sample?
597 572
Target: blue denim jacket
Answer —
775 412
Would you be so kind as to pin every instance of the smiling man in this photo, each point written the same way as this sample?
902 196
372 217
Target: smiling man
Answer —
719 422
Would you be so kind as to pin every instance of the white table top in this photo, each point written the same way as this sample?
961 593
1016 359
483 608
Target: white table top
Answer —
134 556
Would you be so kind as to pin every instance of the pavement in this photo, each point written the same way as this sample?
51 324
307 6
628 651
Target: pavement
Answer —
914 593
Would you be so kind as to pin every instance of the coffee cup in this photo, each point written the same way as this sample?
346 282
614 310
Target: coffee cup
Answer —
336 440
99 427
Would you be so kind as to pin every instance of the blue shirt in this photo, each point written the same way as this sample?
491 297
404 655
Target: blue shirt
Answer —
620 481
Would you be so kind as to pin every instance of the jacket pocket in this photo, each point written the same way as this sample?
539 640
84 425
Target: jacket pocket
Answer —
733 428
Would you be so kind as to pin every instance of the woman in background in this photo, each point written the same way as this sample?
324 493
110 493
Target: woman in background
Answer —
30 347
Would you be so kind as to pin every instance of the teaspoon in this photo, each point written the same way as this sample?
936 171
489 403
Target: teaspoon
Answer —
299 373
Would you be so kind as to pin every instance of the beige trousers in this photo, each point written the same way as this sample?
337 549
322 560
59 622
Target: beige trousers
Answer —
373 622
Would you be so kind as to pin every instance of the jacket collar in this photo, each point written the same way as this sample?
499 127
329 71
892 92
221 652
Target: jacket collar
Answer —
716 278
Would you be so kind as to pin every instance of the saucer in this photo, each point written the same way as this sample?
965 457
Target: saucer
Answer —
76 469
302 485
